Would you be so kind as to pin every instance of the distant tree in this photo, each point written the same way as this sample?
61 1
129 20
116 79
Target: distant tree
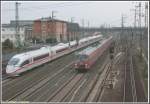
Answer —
33 39
37 40
7 44
51 40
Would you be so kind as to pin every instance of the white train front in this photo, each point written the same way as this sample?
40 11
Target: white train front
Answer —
28 60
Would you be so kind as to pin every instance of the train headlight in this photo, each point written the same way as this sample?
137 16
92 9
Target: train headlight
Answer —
86 65
75 65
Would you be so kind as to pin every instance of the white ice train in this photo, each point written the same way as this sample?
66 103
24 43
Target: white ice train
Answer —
28 60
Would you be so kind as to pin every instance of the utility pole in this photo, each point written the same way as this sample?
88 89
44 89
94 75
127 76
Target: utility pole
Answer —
17 25
53 16
122 36
135 20
53 12
139 15
72 37
83 27
135 16
140 28
146 14
72 19
73 29
43 23
88 24
122 26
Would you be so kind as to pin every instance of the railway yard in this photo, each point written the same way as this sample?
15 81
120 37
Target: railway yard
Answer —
75 52
109 80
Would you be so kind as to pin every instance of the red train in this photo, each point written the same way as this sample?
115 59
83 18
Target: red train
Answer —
87 57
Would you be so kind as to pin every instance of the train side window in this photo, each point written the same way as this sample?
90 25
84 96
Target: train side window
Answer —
24 63
41 57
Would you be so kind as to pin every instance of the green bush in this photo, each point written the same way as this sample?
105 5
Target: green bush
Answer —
7 44
51 40
37 40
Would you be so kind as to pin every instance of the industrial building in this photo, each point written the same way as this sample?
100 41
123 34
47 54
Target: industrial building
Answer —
41 30
9 31
50 29
54 30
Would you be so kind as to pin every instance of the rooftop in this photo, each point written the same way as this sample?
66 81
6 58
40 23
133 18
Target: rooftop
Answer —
50 19
22 23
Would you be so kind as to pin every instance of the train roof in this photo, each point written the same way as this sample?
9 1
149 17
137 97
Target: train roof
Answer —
89 38
40 51
30 54
89 50
59 46
46 49
71 43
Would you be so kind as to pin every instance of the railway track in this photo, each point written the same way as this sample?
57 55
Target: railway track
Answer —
19 85
35 71
32 93
53 58
69 51
51 82
95 95
4 77
26 81
69 92
129 81
52 89
66 88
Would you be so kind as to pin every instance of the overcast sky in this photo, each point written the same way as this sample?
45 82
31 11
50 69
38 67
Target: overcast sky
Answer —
97 13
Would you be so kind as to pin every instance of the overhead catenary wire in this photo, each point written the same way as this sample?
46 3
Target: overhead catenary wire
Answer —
47 6
42 8
39 8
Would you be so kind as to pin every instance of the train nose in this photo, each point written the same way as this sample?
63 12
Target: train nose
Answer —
10 69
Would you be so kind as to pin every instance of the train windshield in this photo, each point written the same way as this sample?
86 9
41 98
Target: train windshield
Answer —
13 61
82 57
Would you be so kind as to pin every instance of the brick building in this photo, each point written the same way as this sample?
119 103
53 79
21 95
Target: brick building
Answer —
50 29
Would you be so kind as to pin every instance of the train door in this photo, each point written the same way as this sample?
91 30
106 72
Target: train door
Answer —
52 53
30 61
